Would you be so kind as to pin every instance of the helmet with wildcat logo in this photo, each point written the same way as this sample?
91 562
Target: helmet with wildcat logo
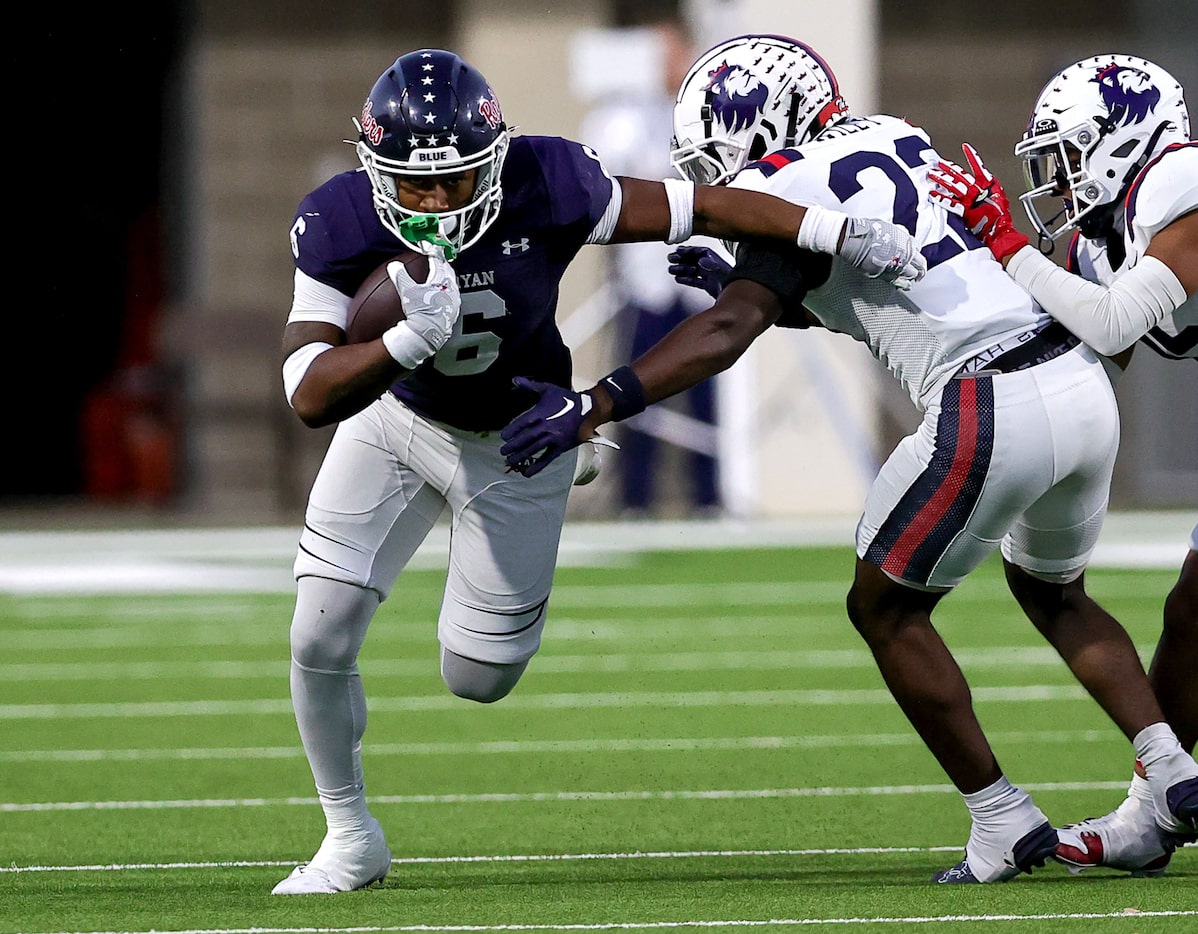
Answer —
748 97
1095 125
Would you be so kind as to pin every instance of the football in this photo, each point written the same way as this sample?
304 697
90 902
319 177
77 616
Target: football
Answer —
376 306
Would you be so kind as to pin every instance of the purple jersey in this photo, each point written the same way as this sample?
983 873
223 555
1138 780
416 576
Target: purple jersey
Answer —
554 193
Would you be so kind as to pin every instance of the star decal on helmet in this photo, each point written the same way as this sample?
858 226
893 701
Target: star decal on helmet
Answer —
432 114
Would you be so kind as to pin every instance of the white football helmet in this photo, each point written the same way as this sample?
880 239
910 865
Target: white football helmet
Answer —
1093 128
746 98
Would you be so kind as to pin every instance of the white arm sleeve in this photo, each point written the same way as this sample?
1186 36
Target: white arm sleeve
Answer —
1108 319
295 366
314 301
607 223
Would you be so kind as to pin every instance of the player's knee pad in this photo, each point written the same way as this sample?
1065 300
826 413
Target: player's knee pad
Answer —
492 635
1060 578
485 682
330 623
1052 557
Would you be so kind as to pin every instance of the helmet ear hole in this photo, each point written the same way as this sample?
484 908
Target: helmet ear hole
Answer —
1126 149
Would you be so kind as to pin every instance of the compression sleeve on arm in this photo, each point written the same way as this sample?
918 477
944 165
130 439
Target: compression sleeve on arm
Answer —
296 365
315 301
1108 319
607 223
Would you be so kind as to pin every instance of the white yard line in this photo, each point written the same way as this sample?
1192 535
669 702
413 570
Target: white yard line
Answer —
1132 914
545 746
563 701
978 659
734 794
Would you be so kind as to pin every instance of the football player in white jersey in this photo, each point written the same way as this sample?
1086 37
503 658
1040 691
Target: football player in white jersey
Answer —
1016 448
1109 162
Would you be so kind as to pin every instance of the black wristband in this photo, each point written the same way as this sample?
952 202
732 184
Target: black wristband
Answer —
627 393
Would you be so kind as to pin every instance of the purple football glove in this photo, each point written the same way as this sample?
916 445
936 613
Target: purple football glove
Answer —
700 267
543 433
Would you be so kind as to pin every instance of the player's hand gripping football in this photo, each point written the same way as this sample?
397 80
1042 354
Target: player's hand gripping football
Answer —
699 267
547 430
978 197
431 306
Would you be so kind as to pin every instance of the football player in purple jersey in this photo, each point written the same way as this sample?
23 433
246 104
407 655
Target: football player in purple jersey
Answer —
1109 163
419 409
1015 452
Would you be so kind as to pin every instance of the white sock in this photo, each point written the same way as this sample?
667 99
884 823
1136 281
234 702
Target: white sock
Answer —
1154 743
993 801
1139 788
330 711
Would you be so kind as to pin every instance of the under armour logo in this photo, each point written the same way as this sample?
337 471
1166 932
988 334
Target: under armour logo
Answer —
509 247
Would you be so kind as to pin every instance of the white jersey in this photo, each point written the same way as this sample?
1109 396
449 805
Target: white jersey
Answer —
966 304
1165 189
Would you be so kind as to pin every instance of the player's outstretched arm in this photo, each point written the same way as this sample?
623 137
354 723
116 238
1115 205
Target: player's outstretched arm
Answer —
698 348
675 210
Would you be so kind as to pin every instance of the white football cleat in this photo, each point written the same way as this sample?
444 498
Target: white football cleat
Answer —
342 864
1128 838
1001 850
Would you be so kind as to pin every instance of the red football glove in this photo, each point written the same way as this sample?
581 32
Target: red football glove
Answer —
980 200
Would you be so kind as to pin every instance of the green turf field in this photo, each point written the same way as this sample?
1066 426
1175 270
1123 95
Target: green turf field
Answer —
702 743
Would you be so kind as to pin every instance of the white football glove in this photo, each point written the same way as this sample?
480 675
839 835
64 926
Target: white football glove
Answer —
882 250
431 308
878 248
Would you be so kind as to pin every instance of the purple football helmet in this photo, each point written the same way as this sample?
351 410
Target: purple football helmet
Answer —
1095 125
432 114
748 97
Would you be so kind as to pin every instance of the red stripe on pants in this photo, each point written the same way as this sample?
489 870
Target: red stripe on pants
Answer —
939 502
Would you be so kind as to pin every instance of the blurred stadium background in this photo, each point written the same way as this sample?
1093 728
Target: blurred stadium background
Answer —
163 151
